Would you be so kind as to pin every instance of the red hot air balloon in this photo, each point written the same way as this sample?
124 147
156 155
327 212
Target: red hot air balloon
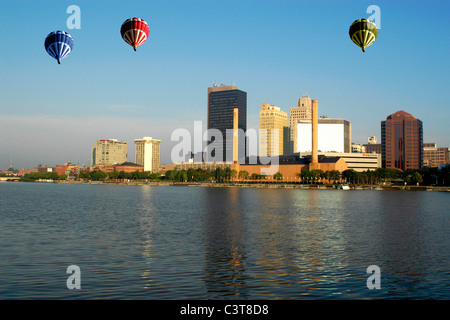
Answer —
135 31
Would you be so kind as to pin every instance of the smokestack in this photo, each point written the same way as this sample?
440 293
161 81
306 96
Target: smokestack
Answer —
315 135
235 134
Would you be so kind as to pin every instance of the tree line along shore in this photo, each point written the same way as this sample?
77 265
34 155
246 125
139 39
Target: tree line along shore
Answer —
379 177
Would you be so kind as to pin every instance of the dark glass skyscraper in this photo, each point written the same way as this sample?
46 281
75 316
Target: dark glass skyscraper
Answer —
222 100
402 141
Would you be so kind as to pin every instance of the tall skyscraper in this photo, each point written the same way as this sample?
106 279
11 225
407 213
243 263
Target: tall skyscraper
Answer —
402 141
273 131
222 100
147 153
303 111
110 151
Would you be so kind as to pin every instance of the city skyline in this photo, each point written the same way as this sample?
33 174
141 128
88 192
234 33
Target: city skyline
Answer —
51 114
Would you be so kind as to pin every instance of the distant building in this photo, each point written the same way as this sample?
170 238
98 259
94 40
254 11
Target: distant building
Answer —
110 151
434 156
356 161
129 167
126 166
357 148
402 141
334 135
23 172
222 102
292 164
372 146
67 169
147 153
372 140
42 168
273 130
302 111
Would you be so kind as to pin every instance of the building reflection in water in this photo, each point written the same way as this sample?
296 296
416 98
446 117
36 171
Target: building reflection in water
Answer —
147 225
263 241
403 231
224 227
254 243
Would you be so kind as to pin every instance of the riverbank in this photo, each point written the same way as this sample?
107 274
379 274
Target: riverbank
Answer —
263 185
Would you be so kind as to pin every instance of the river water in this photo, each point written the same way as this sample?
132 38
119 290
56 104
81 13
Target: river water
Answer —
178 242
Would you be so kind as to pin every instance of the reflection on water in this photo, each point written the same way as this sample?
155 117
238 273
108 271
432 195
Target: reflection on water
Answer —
159 242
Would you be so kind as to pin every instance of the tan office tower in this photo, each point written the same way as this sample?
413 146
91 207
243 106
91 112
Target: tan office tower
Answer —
147 153
302 111
110 151
272 125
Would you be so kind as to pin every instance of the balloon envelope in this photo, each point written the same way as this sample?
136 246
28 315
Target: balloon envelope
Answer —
58 44
135 31
363 33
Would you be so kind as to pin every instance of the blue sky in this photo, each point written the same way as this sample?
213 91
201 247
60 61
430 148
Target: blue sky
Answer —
275 50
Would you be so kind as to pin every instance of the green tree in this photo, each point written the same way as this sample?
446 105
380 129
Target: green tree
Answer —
444 175
85 175
350 175
320 173
304 175
278 176
326 175
171 174
243 174
98 175
334 175
113 175
414 178
153 176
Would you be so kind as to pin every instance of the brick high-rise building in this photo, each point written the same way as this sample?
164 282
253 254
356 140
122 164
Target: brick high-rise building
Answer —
402 141
273 129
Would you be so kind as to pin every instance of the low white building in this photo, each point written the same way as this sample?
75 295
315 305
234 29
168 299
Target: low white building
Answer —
356 161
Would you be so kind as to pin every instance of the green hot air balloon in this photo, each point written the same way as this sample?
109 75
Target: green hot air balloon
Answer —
363 33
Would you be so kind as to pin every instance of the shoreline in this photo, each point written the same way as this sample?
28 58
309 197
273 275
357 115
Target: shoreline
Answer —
262 185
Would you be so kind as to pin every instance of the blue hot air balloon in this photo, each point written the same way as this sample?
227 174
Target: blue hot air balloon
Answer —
58 45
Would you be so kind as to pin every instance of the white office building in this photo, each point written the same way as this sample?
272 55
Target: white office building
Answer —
147 153
334 135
